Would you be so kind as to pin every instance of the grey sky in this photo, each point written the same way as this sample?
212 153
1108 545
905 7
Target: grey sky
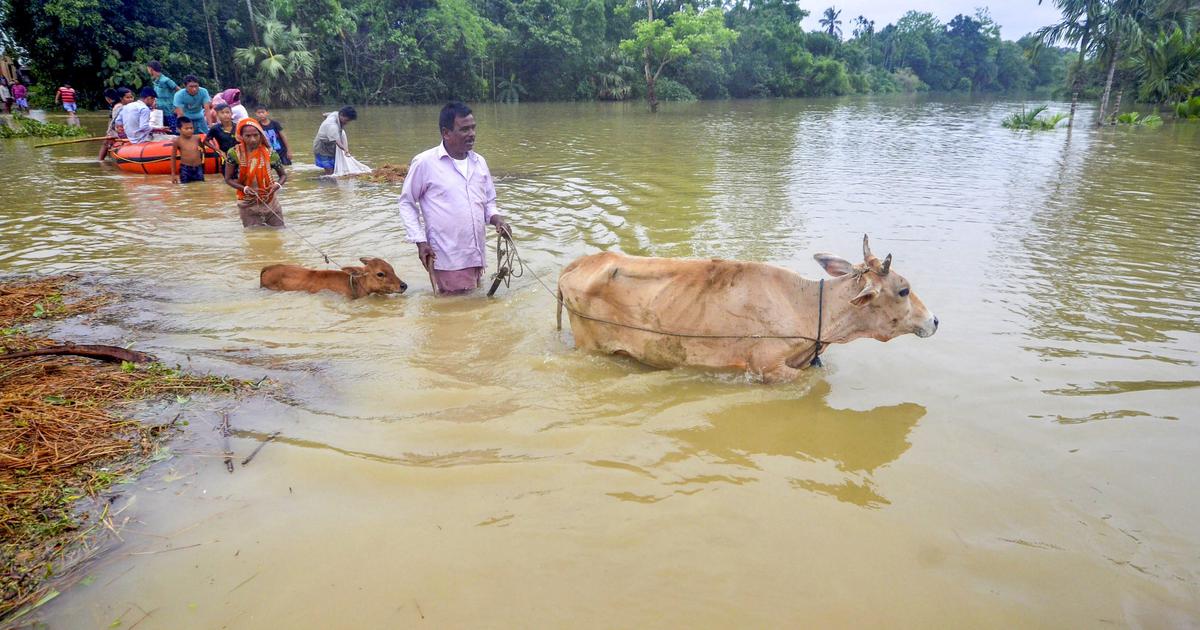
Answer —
1015 17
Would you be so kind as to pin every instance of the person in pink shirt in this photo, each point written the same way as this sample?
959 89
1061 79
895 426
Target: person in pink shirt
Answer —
448 200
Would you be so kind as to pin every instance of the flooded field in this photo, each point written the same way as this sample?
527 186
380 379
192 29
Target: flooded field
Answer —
455 462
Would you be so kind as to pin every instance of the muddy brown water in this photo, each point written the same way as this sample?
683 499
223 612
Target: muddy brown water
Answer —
456 463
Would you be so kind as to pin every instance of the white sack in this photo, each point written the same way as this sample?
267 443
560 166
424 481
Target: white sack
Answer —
345 165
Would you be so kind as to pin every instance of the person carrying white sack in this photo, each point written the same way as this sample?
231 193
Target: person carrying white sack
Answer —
331 137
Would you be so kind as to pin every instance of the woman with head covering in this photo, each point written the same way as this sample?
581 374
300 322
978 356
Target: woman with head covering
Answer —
233 98
248 169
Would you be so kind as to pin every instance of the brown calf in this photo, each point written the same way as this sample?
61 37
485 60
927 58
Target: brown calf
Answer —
375 276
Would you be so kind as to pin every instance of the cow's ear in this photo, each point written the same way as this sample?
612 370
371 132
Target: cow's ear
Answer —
834 265
867 294
354 271
365 261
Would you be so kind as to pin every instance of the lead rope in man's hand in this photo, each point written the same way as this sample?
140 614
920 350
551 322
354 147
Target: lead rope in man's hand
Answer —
508 262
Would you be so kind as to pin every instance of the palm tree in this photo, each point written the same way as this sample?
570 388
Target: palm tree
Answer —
863 27
1119 31
282 66
510 89
1078 28
1169 67
831 23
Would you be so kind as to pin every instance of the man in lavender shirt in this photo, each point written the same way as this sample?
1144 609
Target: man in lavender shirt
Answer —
447 200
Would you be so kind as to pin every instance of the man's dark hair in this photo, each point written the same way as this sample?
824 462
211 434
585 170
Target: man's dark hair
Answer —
348 112
452 110
122 91
154 65
111 94
220 106
191 78
263 108
65 84
147 92
184 120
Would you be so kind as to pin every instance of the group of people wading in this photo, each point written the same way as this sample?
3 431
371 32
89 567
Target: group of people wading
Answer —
448 198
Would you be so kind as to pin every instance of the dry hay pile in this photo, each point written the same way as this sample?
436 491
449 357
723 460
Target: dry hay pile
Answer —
388 174
60 440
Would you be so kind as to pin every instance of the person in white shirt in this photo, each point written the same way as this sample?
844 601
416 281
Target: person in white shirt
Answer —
136 116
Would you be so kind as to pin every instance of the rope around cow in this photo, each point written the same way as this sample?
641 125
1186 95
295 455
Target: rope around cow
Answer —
507 253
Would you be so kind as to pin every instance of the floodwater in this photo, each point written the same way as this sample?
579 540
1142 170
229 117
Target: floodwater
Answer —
455 463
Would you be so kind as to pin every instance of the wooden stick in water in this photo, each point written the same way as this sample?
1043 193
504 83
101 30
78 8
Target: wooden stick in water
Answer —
75 141
225 442
259 447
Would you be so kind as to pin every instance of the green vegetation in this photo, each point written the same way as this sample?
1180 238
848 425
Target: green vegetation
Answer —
379 51
1135 119
1189 109
25 127
1030 119
1148 47
682 35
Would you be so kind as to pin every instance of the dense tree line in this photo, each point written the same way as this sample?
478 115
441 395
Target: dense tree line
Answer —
403 51
1149 46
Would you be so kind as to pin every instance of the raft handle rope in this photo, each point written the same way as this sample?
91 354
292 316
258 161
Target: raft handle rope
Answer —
510 253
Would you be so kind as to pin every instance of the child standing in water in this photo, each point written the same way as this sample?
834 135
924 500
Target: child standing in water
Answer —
275 137
248 169
190 154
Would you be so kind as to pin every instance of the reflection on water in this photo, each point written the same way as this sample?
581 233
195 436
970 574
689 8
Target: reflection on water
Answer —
806 428
440 460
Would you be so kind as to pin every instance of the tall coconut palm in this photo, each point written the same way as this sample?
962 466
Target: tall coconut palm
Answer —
1078 27
281 67
831 23
1119 30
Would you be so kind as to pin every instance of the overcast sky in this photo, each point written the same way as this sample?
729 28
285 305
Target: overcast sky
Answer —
1015 17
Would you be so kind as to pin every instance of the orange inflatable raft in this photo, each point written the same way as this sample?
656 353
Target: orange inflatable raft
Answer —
154 158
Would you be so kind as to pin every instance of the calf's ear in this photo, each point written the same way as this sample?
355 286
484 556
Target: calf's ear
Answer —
834 265
867 294
365 261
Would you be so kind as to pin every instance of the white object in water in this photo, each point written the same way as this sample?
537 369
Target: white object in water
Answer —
345 165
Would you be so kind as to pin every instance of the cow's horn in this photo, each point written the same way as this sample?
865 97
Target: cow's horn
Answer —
887 264
868 257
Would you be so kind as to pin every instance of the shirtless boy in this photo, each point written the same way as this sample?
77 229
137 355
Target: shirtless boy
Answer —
190 154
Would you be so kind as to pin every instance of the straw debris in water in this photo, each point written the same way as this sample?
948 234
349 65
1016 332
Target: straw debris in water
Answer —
61 439
388 174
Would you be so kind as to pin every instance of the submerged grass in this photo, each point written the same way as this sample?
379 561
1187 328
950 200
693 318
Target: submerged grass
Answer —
22 126
62 439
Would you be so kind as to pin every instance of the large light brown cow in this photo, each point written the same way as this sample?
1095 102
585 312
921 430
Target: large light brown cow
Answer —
375 276
715 308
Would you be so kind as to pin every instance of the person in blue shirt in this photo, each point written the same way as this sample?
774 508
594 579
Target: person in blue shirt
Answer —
193 102
164 88
274 132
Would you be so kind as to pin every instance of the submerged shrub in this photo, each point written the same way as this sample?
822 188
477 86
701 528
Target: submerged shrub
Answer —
1134 119
1189 109
1030 120
25 127
672 90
